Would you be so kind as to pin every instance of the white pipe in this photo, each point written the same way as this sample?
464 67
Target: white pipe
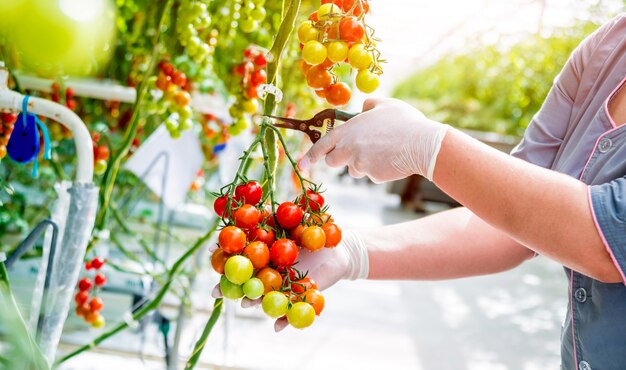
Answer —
11 101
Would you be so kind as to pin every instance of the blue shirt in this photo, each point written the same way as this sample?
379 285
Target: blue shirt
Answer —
573 133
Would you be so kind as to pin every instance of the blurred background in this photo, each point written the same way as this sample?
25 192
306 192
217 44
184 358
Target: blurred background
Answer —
481 65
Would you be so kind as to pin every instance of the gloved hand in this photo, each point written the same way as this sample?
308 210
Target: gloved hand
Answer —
390 140
349 260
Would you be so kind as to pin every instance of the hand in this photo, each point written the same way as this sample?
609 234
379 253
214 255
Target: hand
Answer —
390 140
348 260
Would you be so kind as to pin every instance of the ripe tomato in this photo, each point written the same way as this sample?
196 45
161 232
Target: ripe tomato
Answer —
283 271
275 304
166 67
238 269
102 153
313 16
321 218
315 299
307 32
338 94
318 77
303 285
81 297
96 304
337 51
232 239
247 216
350 4
252 93
288 215
367 81
314 52
351 30
230 290
321 93
262 235
84 284
267 217
182 98
179 78
333 234
260 60
301 315
249 193
163 82
97 263
316 201
259 77
296 234
253 288
359 57
91 317
100 279
82 310
313 238
218 259
284 252
271 279
339 3
258 253
219 206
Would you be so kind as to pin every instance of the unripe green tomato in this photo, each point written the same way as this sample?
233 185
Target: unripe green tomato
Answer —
171 124
185 112
253 288
367 81
175 134
258 13
230 290
275 304
100 167
185 124
314 52
235 111
301 315
238 269
248 25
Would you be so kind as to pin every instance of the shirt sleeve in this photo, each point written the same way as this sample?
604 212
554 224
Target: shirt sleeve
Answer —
546 131
608 205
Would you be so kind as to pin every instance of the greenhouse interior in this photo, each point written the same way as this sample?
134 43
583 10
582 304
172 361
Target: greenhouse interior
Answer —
312 184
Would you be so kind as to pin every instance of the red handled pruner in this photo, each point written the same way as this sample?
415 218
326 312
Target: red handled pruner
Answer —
316 127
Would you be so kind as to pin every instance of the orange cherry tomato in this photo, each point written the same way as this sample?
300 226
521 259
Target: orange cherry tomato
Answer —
318 77
296 234
271 279
258 253
218 259
313 238
338 94
302 285
333 234
315 299
232 239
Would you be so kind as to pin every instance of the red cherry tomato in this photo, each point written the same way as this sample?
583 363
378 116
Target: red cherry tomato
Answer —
351 30
232 239
100 279
88 265
302 285
268 218
288 215
102 153
247 216
179 78
313 16
284 252
252 93
283 271
258 253
259 77
249 193
81 297
218 259
8 118
166 67
349 4
260 61
316 201
333 234
338 94
84 284
219 206
97 263
296 234
96 304
262 235
69 93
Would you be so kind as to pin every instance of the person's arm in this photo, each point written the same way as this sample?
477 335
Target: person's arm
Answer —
446 245
547 211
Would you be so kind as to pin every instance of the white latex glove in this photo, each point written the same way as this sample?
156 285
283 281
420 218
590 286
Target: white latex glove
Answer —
349 260
390 140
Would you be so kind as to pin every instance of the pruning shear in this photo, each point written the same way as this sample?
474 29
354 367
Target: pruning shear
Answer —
316 127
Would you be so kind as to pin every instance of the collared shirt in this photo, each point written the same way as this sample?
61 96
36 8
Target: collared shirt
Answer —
573 133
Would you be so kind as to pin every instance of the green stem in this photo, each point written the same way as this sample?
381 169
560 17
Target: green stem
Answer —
197 349
154 303
131 132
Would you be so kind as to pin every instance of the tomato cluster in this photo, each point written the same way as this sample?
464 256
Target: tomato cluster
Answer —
7 123
252 73
334 34
171 98
100 154
88 309
258 250
251 13
193 27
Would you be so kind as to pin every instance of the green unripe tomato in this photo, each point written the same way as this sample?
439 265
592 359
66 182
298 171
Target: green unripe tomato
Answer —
275 304
367 81
253 288
248 25
238 269
258 14
100 167
230 290
301 315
